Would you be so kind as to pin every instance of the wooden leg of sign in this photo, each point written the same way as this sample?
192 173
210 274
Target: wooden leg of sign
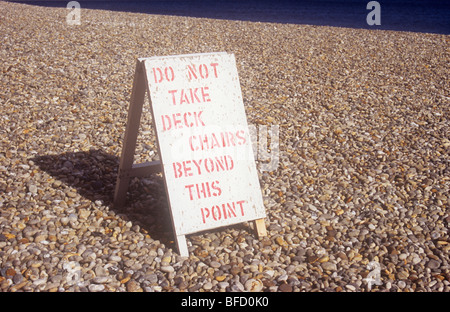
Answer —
260 227
182 246
131 133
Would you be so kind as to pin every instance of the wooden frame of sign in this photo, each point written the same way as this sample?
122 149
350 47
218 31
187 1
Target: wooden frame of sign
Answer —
203 141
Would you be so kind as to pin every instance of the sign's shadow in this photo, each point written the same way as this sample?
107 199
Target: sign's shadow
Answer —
93 175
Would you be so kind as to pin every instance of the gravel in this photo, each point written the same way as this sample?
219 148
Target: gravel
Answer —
362 185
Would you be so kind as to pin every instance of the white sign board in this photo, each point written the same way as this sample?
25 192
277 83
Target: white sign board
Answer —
204 141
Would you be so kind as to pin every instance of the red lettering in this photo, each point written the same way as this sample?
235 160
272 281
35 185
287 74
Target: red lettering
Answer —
190 96
214 141
230 212
231 138
192 72
177 169
240 204
208 165
216 188
205 214
179 120
187 170
240 136
159 71
214 66
209 168
225 141
191 145
224 210
197 164
165 119
170 75
189 187
201 71
182 169
188 124
216 214
183 98
203 190
205 141
205 95
173 96
159 75
210 141
194 96
198 120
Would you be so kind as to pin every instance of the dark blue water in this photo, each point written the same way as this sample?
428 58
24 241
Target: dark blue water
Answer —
430 16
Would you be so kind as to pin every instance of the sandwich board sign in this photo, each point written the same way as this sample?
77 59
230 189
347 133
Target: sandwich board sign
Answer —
203 142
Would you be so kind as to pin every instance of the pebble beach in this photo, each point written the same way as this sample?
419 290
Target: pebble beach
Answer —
359 201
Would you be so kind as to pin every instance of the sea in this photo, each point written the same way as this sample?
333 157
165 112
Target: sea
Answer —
426 16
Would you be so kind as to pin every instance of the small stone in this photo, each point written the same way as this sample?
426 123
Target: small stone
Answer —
269 273
84 213
73 217
36 263
114 258
18 286
40 237
125 279
388 285
253 285
68 164
329 266
133 286
167 259
285 287
89 255
215 264
342 255
32 189
167 269
433 264
102 279
71 194
235 270
40 281
96 287
207 286
402 275
18 278
280 241
265 241
10 272
56 184
339 212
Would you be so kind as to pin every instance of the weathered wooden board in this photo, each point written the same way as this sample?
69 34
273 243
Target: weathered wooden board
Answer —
204 141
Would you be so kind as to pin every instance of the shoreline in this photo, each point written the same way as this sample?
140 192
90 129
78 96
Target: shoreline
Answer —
397 16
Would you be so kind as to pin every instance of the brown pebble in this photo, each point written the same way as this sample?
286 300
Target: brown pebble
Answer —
285 287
